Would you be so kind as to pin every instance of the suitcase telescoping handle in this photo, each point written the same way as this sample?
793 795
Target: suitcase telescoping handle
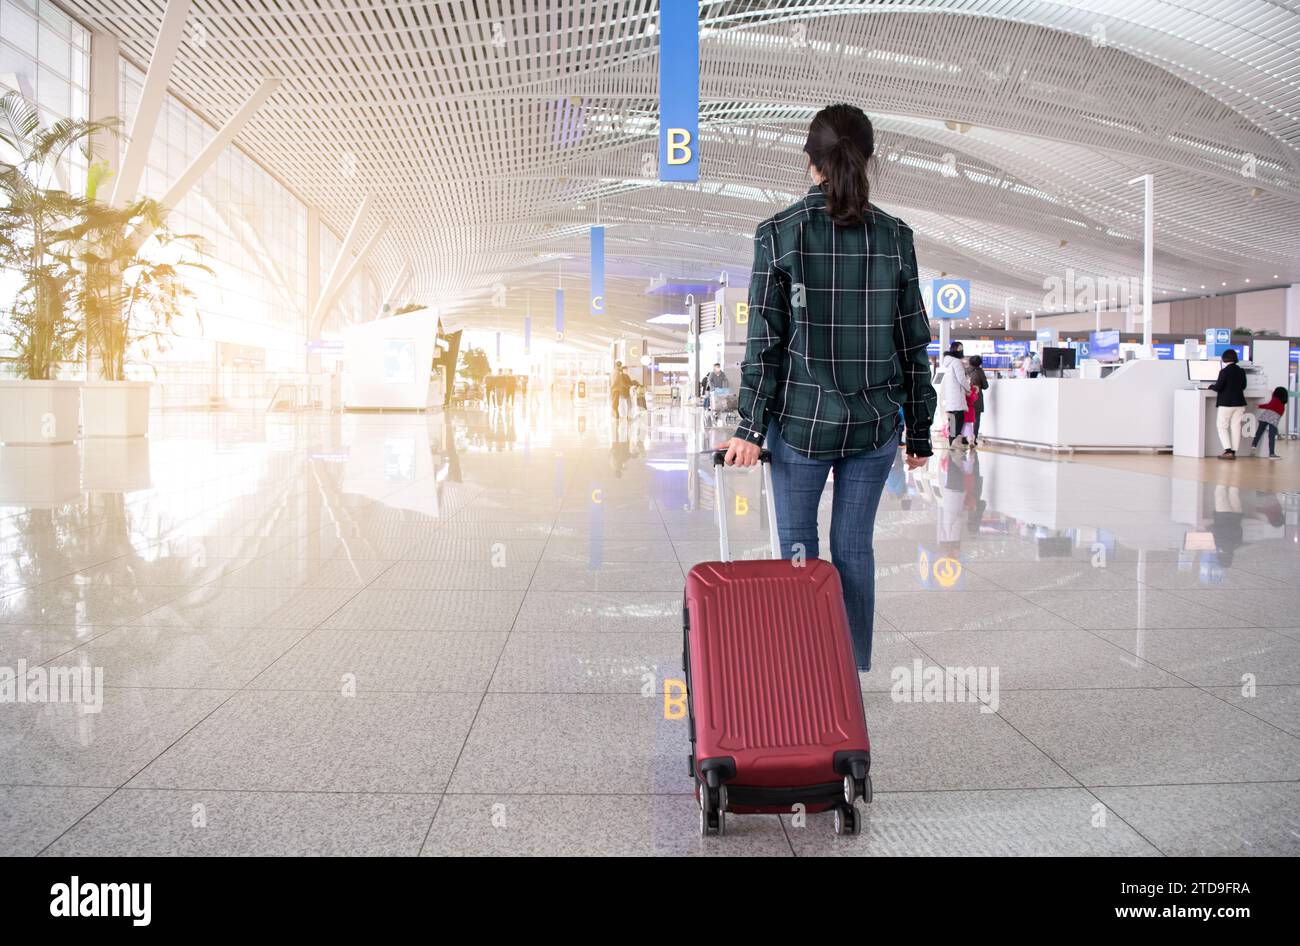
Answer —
769 501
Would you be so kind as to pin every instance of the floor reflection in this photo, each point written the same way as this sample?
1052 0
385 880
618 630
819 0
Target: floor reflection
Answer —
495 583
237 482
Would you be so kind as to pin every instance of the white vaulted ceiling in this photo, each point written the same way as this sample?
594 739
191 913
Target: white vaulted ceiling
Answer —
492 133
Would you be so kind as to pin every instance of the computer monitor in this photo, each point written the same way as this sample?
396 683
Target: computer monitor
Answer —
1056 360
1203 371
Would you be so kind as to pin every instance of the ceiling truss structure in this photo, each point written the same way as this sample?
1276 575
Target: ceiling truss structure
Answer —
490 134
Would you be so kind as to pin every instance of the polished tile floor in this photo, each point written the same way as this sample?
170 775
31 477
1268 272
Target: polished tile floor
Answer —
392 634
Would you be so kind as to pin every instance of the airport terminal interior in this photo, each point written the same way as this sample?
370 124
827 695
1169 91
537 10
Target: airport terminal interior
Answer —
361 366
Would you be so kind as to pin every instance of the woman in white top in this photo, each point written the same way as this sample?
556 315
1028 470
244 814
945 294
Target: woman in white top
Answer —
953 390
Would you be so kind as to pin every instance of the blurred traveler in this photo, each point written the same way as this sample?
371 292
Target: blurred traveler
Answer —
620 389
717 378
979 383
953 389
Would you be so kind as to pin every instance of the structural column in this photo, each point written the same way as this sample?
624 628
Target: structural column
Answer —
105 86
313 282
152 98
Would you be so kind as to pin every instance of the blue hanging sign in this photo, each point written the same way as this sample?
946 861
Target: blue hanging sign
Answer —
597 272
679 90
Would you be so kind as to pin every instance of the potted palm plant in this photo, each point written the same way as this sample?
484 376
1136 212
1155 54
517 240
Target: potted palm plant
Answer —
36 246
132 291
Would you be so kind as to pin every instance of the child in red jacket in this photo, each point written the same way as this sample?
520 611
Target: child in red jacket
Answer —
1267 417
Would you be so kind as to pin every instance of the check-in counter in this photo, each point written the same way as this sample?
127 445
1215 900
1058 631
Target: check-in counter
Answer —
1196 422
1132 408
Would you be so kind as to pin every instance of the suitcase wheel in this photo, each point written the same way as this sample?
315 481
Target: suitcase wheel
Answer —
713 810
857 788
846 820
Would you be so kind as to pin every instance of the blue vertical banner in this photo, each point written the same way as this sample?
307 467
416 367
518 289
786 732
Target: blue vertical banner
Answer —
597 270
498 346
559 315
528 335
679 90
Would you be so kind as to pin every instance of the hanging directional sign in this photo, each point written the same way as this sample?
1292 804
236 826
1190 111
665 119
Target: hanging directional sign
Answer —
952 298
559 315
679 90
597 270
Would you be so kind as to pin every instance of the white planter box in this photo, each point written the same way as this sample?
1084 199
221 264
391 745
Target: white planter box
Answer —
39 412
115 408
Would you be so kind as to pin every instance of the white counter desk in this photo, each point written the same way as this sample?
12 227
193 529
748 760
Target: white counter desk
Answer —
1196 422
1132 408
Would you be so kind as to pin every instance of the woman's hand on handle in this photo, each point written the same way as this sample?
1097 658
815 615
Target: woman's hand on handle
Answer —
741 452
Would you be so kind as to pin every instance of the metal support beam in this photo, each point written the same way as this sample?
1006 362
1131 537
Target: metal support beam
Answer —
105 79
151 101
106 147
327 292
399 285
1148 250
208 156
328 299
313 258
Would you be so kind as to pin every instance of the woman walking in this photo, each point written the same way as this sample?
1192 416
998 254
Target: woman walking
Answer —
979 383
837 344
954 388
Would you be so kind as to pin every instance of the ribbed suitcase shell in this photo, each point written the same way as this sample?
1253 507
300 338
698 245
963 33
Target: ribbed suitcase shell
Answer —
773 681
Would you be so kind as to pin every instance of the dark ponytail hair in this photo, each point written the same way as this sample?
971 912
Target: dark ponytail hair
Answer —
840 143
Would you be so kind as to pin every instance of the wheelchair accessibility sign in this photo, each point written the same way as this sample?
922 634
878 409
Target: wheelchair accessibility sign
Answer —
952 298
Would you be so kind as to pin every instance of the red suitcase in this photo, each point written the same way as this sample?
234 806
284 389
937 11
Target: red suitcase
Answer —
774 703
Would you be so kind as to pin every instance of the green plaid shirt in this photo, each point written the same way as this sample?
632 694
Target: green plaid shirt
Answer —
837 334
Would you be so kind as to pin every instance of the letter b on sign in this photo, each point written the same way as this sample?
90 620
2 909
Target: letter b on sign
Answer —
679 146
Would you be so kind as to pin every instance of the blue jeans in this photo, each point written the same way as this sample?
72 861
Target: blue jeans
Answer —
1272 436
797 484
